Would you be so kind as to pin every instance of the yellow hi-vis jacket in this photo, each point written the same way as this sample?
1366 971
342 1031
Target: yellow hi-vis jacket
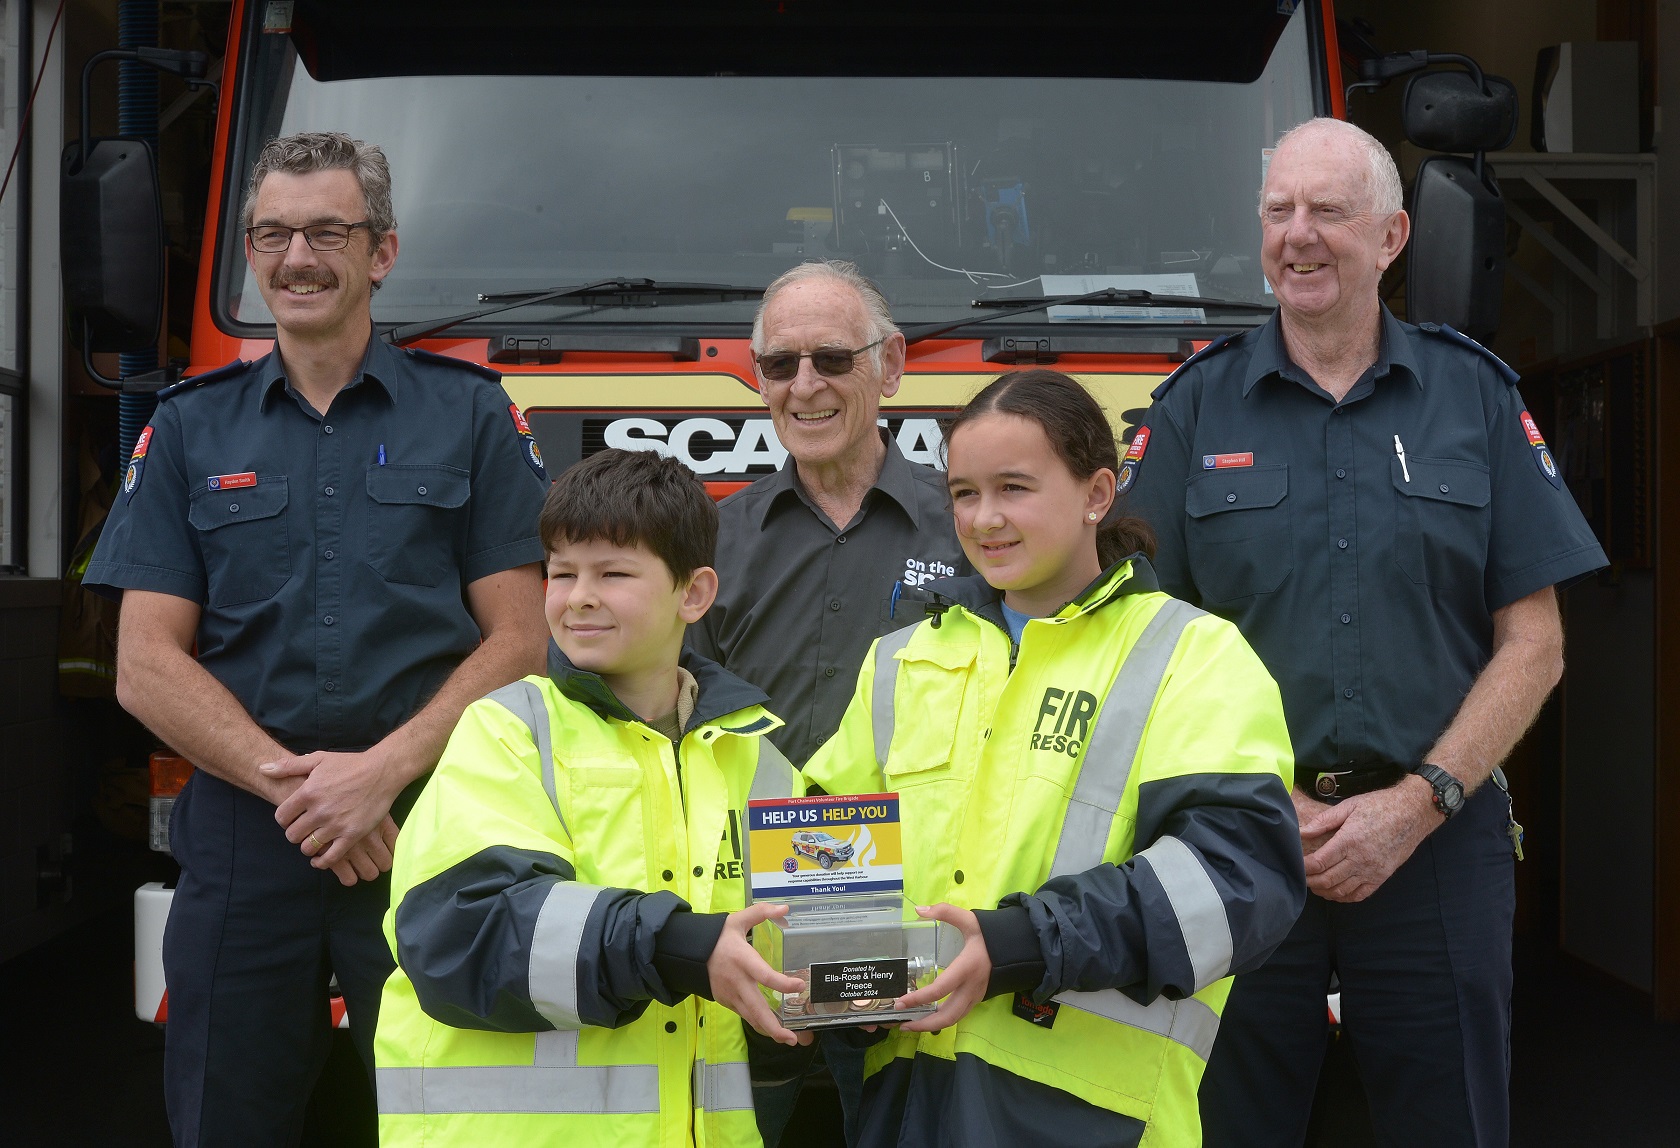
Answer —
556 893
1112 798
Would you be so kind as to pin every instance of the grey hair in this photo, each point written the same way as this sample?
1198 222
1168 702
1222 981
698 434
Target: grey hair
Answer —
1382 177
875 307
308 152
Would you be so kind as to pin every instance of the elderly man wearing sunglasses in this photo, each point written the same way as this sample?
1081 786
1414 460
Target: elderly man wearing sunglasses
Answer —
808 558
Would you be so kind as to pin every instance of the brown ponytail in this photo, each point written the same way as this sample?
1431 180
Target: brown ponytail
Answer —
1080 435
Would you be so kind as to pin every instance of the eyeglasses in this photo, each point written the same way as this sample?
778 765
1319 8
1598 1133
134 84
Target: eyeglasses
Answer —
780 366
273 238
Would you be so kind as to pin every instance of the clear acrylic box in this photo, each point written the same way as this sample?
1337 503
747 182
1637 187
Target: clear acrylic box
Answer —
856 955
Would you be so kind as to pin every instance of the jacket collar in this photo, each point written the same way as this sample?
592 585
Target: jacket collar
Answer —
1130 575
721 692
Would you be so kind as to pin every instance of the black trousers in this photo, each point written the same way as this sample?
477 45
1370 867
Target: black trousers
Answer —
1425 970
254 936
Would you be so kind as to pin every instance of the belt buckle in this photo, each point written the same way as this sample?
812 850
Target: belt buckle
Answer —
1327 785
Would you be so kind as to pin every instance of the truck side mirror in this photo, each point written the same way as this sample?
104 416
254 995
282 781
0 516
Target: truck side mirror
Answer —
1456 263
1449 111
111 243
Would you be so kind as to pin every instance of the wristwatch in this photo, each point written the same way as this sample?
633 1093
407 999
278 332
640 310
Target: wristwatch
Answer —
1449 792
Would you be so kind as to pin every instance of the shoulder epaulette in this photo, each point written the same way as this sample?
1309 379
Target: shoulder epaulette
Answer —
488 373
1206 352
1442 331
218 375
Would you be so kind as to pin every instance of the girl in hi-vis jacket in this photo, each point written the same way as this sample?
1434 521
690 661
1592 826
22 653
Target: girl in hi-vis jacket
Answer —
1094 789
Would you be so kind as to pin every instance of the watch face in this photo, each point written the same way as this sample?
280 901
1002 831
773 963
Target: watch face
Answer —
1452 795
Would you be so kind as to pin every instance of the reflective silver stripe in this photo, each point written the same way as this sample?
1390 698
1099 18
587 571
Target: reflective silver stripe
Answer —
1113 744
622 1089
773 777
524 701
723 1087
1188 1022
557 1049
552 976
1197 904
886 679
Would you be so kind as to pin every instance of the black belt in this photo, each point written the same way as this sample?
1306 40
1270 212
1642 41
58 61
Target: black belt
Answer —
1332 786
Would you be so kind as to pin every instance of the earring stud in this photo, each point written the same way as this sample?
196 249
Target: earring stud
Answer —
1092 516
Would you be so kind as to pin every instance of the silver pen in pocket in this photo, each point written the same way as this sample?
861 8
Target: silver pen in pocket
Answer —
1400 453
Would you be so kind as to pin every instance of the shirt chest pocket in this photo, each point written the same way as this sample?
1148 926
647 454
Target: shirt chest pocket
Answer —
1238 533
416 521
927 712
1441 523
243 537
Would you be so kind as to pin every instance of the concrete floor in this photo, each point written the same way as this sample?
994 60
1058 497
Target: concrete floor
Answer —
1591 1067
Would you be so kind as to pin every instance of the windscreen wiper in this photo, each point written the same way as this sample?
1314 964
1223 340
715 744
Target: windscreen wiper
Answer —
604 292
1107 297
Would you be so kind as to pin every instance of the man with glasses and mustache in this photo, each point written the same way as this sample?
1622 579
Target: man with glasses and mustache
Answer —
808 558
346 532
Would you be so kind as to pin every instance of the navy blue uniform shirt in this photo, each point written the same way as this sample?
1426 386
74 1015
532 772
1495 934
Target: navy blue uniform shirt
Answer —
331 554
1367 586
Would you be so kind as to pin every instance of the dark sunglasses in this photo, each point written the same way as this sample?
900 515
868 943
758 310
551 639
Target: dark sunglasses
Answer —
780 366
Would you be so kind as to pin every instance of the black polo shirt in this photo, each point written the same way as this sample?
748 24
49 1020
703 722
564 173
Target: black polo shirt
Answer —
1366 586
799 601
330 554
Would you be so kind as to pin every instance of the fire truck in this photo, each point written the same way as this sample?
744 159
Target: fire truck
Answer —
591 199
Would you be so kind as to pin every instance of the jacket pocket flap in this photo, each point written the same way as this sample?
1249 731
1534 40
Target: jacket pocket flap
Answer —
1444 480
213 509
942 654
1236 488
418 485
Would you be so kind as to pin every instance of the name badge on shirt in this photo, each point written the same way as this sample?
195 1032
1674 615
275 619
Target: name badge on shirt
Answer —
233 481
1221 461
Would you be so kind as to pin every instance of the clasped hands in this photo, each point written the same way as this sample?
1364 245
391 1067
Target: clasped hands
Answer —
335 807
1352 847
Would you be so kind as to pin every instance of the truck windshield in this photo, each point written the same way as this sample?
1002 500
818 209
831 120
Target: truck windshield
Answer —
943 188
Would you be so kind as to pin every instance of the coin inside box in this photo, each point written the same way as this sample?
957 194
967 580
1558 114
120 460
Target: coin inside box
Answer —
857 957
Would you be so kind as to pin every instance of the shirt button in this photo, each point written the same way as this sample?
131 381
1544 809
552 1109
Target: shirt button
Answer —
1346 618
328 555
422 490
328 492
327 429
957 876
699 870
1232 497
834 605
1347 693
828 673
1341 543
327 621
666 876
842 540
233 507
1340 473
1444 489
670 1026
330 687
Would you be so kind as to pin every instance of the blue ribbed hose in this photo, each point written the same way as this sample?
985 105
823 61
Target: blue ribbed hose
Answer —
137 117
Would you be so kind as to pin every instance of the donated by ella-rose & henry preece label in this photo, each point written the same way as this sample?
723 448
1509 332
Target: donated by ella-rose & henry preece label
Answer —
836 981
824 846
